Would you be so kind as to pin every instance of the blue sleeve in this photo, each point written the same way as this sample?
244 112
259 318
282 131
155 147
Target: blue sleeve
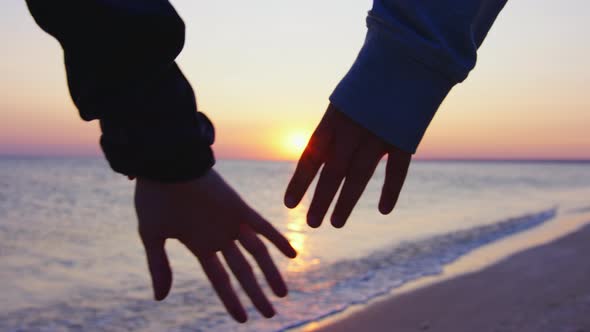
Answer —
415 51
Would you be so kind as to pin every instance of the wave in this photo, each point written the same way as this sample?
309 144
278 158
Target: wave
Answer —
314 295
579 210
352 282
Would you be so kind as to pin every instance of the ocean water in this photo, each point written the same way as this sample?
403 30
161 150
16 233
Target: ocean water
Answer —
70 258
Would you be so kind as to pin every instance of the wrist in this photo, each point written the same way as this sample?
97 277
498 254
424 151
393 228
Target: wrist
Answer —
390 94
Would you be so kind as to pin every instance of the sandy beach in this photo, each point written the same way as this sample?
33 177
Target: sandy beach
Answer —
542 289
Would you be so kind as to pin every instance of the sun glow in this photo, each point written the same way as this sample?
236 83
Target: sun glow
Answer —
295 143
297 235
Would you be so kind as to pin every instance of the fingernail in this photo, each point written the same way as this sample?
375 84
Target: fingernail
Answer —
270 313
159 295
313 221
385 210
336 222
241 317
283 292
290 201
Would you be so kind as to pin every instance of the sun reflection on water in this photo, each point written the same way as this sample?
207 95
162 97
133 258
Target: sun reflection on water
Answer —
297 235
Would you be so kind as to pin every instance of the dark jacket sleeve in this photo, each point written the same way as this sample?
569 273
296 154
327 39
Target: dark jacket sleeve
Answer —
120 64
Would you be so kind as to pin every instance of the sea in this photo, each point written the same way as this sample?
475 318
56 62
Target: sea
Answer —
71 259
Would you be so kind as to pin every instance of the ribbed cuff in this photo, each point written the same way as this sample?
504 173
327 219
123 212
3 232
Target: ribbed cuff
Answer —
389 93
172 155
178 163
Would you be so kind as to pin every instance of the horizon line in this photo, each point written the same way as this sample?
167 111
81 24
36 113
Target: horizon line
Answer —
420 159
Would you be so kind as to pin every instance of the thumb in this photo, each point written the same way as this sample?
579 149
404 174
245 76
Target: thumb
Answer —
159 267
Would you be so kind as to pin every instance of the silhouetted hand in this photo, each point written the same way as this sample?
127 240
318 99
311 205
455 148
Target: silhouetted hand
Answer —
351 153
207 216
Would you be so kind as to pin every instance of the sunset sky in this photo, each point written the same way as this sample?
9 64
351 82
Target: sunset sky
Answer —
263 71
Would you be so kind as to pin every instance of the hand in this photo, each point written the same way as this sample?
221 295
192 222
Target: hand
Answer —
207 216
351 153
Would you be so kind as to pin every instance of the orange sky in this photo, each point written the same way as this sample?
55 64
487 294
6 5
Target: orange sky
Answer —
527 97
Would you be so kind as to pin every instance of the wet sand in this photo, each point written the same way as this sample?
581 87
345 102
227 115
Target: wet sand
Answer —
543 289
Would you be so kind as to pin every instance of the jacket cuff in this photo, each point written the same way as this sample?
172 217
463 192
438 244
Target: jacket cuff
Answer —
389 93
147 152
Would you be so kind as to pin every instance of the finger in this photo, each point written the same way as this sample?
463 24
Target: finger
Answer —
257 249
159 267
346 141
266 229
243 272
310 161
359 173
221 283
396 171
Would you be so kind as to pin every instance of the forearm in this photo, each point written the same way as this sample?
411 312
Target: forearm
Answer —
414 53
120 67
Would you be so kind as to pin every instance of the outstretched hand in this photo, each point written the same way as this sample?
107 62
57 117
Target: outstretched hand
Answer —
207 216
349 153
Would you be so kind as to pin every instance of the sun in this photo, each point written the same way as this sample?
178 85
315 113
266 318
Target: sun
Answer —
295 143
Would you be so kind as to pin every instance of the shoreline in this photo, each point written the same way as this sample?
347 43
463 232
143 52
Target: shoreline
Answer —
380 313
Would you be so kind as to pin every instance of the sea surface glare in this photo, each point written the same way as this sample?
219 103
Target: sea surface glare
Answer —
70 257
